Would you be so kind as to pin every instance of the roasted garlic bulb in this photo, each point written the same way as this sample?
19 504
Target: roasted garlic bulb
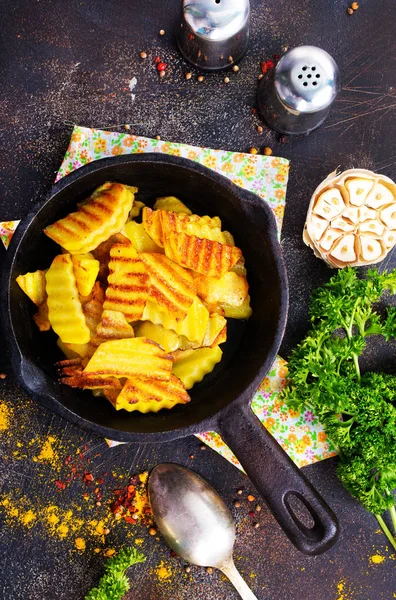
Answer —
351 218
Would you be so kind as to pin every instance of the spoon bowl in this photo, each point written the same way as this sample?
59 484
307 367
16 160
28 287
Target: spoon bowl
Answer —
195 521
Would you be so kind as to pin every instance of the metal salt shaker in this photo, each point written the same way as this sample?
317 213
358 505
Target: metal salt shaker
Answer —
295 96
213 34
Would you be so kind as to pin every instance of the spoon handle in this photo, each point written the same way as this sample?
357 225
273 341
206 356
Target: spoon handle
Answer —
239 584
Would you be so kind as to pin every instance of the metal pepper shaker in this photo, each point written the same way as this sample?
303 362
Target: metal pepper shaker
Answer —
213 34
295 96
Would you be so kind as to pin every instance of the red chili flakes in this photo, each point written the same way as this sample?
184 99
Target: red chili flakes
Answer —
161 66
131 502
67 460
157 60
88 477
60 484
266 65
251 513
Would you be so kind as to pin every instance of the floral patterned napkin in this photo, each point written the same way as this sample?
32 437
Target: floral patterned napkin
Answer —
300 434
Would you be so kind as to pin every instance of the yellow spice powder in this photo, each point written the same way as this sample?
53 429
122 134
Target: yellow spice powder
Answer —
377 559
5 416
163 571
80 544
47 452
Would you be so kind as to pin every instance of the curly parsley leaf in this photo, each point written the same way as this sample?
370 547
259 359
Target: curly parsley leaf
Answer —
114 582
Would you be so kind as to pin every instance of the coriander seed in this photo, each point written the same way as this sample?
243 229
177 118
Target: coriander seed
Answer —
235 68
143 55
200 78
267 151
253 151
226 80
188 75
162 31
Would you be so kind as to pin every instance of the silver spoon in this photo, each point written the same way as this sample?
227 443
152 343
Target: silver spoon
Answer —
195 521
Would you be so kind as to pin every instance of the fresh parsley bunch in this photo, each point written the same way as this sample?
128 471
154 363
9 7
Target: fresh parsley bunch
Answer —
114 582
358 411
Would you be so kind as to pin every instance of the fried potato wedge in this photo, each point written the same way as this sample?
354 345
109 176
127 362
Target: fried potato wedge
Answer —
93 308
134 357
102 254
229 289
243 311
114 325
41 317
74 377
33 284
203 256
102 215
171 286
166 338
139 239
64 308
152 225
128 281
193 368
86 269
136 209
145 394
172 204
193 327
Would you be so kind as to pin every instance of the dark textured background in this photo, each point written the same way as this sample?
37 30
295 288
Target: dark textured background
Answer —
70 62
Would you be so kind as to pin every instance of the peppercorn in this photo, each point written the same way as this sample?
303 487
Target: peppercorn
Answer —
143 54
235 68
106 531
188 75
152 531
253 151
355 5
350 10
251 498
162 31
260 129
240 492
157 137
230 59
191 456
200 78
226 80
267 151
237 504
127 127
187 569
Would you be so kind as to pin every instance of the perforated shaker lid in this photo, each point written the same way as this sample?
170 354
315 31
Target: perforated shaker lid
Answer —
307 79
216 20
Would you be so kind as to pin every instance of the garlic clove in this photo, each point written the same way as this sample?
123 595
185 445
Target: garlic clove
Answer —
344 249
329 237
358 189
370 249
366 213
343 224
316 227
389 238
388 215
329 204
351 213
374 227
379 196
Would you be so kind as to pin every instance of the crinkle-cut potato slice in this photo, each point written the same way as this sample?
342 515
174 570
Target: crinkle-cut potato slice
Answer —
202 227
136 209
93 308
229 289
64 308
171 286
41 317
33 284
360 233
73 350
216 331
104 214
168 340
200 255
152 225
193 327
145 394
114 325
172 204
102 254
128 282
74 377
238 312
134 357
139 238
86 269
196 365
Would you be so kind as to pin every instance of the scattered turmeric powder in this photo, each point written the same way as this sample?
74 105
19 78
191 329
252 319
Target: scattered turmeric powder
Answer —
5 416
377 559
163 571
80 544
47 453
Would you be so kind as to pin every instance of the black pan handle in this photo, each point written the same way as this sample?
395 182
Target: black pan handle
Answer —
278 480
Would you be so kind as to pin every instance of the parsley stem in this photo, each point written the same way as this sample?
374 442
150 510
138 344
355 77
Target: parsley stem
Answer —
385 529
392 511
356 363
